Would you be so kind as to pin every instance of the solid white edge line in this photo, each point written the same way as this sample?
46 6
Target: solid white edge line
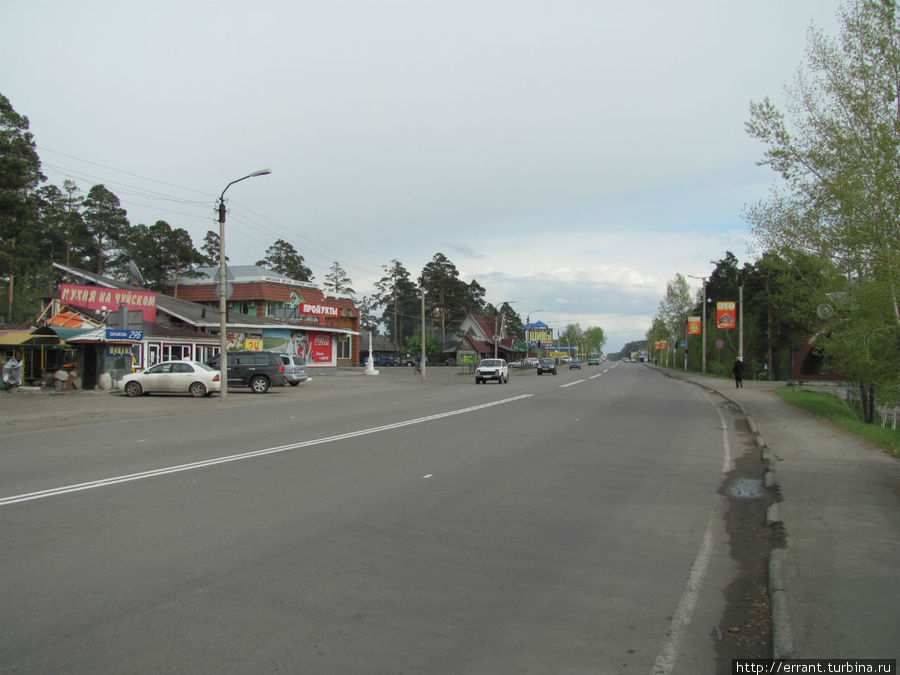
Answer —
115 480
681 619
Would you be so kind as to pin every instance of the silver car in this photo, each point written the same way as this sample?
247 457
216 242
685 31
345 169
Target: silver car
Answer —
294 369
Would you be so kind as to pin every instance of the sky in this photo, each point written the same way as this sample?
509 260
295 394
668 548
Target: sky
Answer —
571 156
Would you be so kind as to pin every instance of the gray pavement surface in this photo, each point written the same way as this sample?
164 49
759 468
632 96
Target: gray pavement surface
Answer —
835 587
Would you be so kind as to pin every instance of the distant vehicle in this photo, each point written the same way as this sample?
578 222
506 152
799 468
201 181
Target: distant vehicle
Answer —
492 369
257 370
546 366
532 362
594 360
575 363
173 377
517 364
294 369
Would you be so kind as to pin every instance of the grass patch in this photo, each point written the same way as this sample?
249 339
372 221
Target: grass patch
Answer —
838 412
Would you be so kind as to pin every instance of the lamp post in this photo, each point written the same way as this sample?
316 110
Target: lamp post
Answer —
423 356
223 287
703 325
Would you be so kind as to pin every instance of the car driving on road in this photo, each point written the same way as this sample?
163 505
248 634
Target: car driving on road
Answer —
492 369
547 365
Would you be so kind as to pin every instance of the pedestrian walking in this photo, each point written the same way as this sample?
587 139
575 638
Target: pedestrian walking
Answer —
738 371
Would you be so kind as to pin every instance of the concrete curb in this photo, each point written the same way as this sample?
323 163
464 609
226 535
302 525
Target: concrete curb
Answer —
782 635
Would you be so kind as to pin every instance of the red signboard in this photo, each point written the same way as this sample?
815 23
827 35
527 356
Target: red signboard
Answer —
109 299
320 347
319 310
726 315
695 325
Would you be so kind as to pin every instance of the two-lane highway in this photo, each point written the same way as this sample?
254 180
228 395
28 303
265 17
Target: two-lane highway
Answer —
372 525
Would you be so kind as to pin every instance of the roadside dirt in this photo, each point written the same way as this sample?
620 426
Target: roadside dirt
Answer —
745 629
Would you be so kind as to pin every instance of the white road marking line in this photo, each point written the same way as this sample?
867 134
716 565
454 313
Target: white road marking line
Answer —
681 619
115 480
428 475
594 377
570 384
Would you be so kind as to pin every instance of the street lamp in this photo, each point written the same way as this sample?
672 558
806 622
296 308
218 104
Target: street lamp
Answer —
223 287
703 325
423 357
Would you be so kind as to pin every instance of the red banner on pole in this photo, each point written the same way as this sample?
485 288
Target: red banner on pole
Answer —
695 325
726 315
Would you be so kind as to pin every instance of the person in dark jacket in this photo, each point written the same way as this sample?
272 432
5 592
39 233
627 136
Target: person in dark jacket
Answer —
738 371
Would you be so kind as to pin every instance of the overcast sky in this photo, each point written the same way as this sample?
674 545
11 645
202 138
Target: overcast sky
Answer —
572 156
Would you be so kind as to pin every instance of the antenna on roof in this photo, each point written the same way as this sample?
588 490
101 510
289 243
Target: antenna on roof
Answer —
135 273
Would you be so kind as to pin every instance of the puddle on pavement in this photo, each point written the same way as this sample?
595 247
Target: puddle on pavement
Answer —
745 488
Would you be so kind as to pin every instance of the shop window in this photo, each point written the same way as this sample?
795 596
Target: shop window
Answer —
344 347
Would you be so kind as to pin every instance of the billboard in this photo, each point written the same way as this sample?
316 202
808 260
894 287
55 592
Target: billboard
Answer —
109 299
695 325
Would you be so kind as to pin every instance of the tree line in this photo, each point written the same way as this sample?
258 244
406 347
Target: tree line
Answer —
42 223
830 229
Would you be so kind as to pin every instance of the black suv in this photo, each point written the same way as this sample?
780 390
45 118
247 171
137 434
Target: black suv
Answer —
546 366
257 370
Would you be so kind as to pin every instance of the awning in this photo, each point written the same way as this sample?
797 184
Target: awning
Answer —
14 338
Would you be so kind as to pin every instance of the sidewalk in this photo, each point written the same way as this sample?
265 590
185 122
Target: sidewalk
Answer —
835 587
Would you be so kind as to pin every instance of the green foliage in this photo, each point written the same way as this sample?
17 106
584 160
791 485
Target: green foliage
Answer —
839 413
283 258
838 155
413 347
106 223
338 281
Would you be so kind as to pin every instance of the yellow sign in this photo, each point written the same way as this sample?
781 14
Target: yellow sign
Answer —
253 345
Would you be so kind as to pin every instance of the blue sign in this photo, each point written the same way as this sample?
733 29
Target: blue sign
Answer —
124 334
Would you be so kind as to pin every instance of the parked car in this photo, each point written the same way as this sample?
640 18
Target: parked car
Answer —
575 363
294 369
492 369
532 362
517 364
547 365
257 370
173 377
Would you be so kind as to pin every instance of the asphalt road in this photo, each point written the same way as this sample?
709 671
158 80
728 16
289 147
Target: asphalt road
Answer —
568 524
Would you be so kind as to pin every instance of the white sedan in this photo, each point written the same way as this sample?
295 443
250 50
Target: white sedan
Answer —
174 377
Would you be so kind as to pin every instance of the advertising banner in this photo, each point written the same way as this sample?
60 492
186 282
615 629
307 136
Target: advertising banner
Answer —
109 299
695 325
726 315
320 348
536 335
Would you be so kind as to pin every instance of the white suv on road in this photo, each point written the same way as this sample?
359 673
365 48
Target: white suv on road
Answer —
492 369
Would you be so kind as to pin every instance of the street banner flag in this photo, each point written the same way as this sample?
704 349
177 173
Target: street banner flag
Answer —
726 315
694 325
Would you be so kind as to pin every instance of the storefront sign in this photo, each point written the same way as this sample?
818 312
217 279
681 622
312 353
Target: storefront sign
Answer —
109 299
725 315
320 347
120 351
253 345
319 310
124 334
